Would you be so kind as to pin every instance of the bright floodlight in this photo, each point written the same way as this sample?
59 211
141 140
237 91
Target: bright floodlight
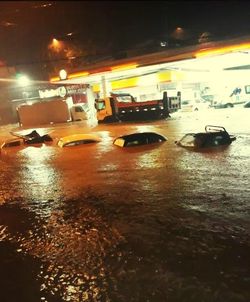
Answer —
63 74
23 81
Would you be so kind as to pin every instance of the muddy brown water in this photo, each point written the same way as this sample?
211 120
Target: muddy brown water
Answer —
150 223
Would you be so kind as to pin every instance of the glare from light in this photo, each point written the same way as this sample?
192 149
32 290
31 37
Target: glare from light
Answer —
55 42
148 80
56 45
124 67
38 173
222 50
23 81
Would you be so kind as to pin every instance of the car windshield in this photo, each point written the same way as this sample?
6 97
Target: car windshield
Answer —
137 139
124 98
80 142
186 102
188 140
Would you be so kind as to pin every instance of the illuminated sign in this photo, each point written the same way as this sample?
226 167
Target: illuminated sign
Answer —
63 91
49 93
76 89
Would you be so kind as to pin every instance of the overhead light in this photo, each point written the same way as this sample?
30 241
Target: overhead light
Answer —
78 74
63 74
55 79
124 67
222 50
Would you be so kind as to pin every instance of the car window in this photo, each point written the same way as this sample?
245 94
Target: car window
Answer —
79 109
185 102
188 140
137 139
134 143
80 142
100 105
12 144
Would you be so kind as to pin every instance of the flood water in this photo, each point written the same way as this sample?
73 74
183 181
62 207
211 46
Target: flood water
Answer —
151 223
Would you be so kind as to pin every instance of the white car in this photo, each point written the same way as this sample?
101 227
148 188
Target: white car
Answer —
79 112
191 105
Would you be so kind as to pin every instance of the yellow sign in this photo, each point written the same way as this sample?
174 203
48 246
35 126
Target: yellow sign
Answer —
96 87
170 76
125 83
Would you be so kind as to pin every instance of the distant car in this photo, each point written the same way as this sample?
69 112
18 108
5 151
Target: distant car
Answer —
137 139
223 105
191 105
78 139
214 136
247 105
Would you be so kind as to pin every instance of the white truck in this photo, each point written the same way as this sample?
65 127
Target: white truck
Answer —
79 112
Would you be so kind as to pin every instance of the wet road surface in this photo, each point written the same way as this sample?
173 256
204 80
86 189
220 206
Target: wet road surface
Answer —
152 223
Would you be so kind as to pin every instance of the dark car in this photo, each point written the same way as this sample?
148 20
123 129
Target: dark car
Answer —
247 105
214 136
137 139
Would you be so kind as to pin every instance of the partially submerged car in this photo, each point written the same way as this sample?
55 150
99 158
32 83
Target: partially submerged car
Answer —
137 139
214 136
78 139
29 139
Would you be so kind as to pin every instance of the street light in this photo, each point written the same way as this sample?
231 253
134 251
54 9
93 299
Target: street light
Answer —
56 45
178 33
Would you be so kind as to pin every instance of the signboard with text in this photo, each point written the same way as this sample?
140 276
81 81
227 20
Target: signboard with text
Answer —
63 91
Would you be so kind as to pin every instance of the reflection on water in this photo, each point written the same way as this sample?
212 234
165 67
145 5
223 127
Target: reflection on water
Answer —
37 168
39 181
73 244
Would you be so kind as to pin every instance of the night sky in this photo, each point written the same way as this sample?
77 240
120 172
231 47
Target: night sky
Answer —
108 27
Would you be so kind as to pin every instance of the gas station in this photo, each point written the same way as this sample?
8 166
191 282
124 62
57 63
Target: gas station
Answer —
214 70
215 73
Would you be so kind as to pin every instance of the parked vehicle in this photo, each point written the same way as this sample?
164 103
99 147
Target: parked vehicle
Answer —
137 139
43 112
194 105
120 107
78 139
214 136
247 105
79 112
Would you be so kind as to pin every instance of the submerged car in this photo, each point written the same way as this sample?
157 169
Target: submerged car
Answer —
214 136
137 139
29 139
77 139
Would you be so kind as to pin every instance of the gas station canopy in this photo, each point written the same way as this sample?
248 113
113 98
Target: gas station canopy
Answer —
213 56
